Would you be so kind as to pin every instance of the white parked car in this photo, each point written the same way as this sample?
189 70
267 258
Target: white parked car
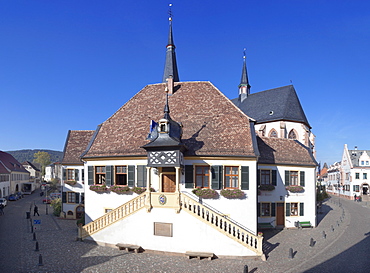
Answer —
3 201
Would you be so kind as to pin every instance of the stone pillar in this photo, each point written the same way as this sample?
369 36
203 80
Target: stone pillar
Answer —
148 203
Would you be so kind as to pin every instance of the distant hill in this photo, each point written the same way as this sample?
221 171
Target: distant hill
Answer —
27 155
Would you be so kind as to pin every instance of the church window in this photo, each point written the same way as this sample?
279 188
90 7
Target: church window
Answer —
99 174
121 175
231 177
273 133
292 135
202 176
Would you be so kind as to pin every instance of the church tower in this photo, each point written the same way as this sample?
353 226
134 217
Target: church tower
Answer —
244 86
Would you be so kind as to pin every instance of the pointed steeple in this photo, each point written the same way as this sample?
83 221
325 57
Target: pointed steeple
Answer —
244 86
170 67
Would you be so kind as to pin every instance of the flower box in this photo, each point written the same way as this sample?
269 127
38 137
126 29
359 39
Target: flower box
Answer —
295 188
99 188
120 189
266 187
205 193
71 182
140 190
233 193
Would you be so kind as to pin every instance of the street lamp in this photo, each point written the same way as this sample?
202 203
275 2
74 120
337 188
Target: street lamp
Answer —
339 190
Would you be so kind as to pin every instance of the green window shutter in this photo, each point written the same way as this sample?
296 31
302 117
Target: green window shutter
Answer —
274 178
301 209
245 178
64 174
258 177
216 177
90 175
287 177
77 197
273 209
64 197
258 209
131 176
108 175
76 174
141 176
301 180
287 209
354 187
189 177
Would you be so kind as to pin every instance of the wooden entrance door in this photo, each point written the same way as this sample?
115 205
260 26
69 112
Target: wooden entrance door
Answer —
169 182
280 218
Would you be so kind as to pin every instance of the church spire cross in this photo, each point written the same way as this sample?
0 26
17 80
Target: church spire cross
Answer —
170 67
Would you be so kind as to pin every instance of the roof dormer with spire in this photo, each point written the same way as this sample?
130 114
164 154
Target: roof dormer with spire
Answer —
170 67
244 86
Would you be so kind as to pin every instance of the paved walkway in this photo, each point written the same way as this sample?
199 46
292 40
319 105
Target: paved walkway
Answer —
344 249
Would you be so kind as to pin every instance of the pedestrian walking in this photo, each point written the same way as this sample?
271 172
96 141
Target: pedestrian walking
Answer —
36 211
355 197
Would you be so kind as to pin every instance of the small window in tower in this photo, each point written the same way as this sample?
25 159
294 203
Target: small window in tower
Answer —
162 127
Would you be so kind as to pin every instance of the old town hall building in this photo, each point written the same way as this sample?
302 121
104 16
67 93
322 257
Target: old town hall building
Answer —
180 167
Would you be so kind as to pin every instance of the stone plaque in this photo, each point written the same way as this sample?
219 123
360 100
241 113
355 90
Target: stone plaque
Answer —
163 229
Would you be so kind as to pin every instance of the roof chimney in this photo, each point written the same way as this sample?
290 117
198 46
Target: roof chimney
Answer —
170 85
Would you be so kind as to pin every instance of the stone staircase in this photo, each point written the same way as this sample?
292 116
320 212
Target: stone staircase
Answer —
189 204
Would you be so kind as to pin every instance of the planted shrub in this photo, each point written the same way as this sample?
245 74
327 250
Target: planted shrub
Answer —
295 188
140 190
99 188
266 187
205 193
232 193
120 189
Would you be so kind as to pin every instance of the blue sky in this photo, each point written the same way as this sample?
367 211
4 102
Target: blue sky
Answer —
69 65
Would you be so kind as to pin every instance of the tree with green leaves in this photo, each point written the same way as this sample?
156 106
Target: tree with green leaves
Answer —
43 158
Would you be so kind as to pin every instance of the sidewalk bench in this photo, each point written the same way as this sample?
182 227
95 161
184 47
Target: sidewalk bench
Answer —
128 247
199 255
265 226
304 224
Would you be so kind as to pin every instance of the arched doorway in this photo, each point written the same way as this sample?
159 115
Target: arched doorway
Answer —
80 210
17 188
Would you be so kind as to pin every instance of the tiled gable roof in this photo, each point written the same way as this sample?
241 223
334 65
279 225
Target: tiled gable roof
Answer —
284 151
275 104
11 163
3 170
76 144
212 124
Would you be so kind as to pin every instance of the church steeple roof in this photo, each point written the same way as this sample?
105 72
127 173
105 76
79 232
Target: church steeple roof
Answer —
244 86
170 67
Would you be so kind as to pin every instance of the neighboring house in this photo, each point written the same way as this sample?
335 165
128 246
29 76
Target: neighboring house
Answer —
143 189
352 176
4 181
53 171
35 177
73 173
18 174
